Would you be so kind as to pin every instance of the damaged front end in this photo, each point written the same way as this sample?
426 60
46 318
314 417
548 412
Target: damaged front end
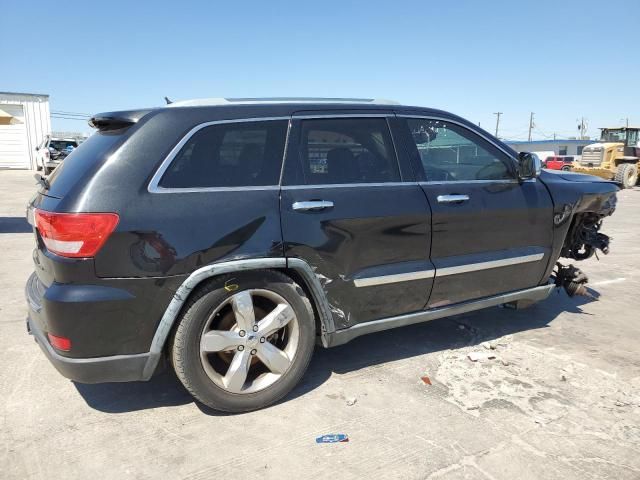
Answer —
572 279
584 238
582 241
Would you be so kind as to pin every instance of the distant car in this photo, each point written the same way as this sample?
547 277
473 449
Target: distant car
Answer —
52 151
558 162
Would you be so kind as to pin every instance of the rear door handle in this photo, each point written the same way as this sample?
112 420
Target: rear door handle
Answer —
453 198
311 205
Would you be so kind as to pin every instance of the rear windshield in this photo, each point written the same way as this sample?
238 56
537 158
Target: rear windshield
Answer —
62 144
85 158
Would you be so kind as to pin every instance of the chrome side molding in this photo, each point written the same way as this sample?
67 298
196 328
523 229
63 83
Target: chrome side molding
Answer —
393 278
503 262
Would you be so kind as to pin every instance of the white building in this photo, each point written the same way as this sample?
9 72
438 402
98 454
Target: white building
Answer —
558 147
24 122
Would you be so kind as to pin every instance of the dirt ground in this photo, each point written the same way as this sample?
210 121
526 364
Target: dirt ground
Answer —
560 400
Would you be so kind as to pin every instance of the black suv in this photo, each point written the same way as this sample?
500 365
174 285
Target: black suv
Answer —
231 236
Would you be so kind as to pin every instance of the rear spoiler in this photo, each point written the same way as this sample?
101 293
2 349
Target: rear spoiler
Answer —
116 120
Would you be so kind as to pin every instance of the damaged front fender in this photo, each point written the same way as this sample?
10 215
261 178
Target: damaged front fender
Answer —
581 202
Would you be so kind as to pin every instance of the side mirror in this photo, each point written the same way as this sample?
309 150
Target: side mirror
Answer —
528 166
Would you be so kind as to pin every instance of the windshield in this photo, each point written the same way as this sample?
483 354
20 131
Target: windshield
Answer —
614 136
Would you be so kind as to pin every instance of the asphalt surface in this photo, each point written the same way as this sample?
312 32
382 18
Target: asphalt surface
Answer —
560 400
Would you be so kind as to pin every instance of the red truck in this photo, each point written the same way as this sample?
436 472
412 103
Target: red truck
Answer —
558 162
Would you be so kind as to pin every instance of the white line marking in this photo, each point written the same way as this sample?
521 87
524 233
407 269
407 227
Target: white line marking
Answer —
607 282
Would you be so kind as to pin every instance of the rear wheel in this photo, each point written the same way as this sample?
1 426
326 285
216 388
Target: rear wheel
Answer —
627 175
244 340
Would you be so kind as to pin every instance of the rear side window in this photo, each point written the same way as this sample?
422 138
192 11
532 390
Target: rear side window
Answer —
348 150
229 155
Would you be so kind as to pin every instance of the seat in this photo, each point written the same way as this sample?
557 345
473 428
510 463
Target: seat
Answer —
250 163
373 168
341 166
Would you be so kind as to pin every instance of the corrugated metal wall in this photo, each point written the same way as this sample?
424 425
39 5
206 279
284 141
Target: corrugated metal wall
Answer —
37 124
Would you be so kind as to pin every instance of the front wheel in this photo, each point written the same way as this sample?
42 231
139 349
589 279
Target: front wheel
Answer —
244 340
566 168
627 175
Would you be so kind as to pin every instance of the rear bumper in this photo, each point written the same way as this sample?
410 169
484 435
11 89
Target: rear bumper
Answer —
114 368
117 368
52 163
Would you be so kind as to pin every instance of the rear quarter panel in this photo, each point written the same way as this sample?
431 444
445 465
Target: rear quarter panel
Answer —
161 234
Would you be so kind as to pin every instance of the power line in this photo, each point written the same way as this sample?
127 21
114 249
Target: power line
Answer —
71 113
69 118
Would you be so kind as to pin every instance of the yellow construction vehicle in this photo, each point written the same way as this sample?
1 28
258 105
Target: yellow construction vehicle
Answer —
614 157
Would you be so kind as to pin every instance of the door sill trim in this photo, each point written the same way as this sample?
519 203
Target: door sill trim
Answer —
341 337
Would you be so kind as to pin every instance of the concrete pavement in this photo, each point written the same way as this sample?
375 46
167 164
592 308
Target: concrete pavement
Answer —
560 400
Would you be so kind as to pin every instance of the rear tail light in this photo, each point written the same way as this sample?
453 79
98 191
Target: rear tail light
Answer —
47 155
59 343
76 235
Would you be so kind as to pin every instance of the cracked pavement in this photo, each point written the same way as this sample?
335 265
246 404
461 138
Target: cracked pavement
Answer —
560 400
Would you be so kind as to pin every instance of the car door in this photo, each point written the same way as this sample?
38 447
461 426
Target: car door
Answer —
356 216
492 233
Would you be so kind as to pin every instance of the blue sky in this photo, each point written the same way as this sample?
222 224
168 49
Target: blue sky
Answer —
559 59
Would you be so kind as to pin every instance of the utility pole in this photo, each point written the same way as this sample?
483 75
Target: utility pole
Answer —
530 125
497 114
582 129
627 122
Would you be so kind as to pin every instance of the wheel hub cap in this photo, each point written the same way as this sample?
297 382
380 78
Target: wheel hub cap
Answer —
254 352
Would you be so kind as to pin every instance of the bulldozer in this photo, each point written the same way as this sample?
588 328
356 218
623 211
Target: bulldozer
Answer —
615 156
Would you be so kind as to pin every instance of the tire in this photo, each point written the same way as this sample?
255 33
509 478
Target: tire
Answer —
211 370
627 175
566 168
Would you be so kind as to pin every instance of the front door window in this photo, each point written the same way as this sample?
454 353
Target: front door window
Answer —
451 153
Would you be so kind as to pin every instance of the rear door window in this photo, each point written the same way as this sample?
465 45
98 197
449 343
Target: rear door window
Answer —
347 150
229 155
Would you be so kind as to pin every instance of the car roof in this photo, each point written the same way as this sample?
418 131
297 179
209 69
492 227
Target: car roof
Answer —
211 102
260 107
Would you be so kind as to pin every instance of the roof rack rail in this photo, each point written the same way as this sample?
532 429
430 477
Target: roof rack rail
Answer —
202 102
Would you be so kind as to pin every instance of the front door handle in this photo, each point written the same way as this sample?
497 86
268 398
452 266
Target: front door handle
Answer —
311 205
453 198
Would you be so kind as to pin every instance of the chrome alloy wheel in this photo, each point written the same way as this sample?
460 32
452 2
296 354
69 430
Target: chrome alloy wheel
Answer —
249 341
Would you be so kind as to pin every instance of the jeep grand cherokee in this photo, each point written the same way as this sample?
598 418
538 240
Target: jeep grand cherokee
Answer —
231 236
